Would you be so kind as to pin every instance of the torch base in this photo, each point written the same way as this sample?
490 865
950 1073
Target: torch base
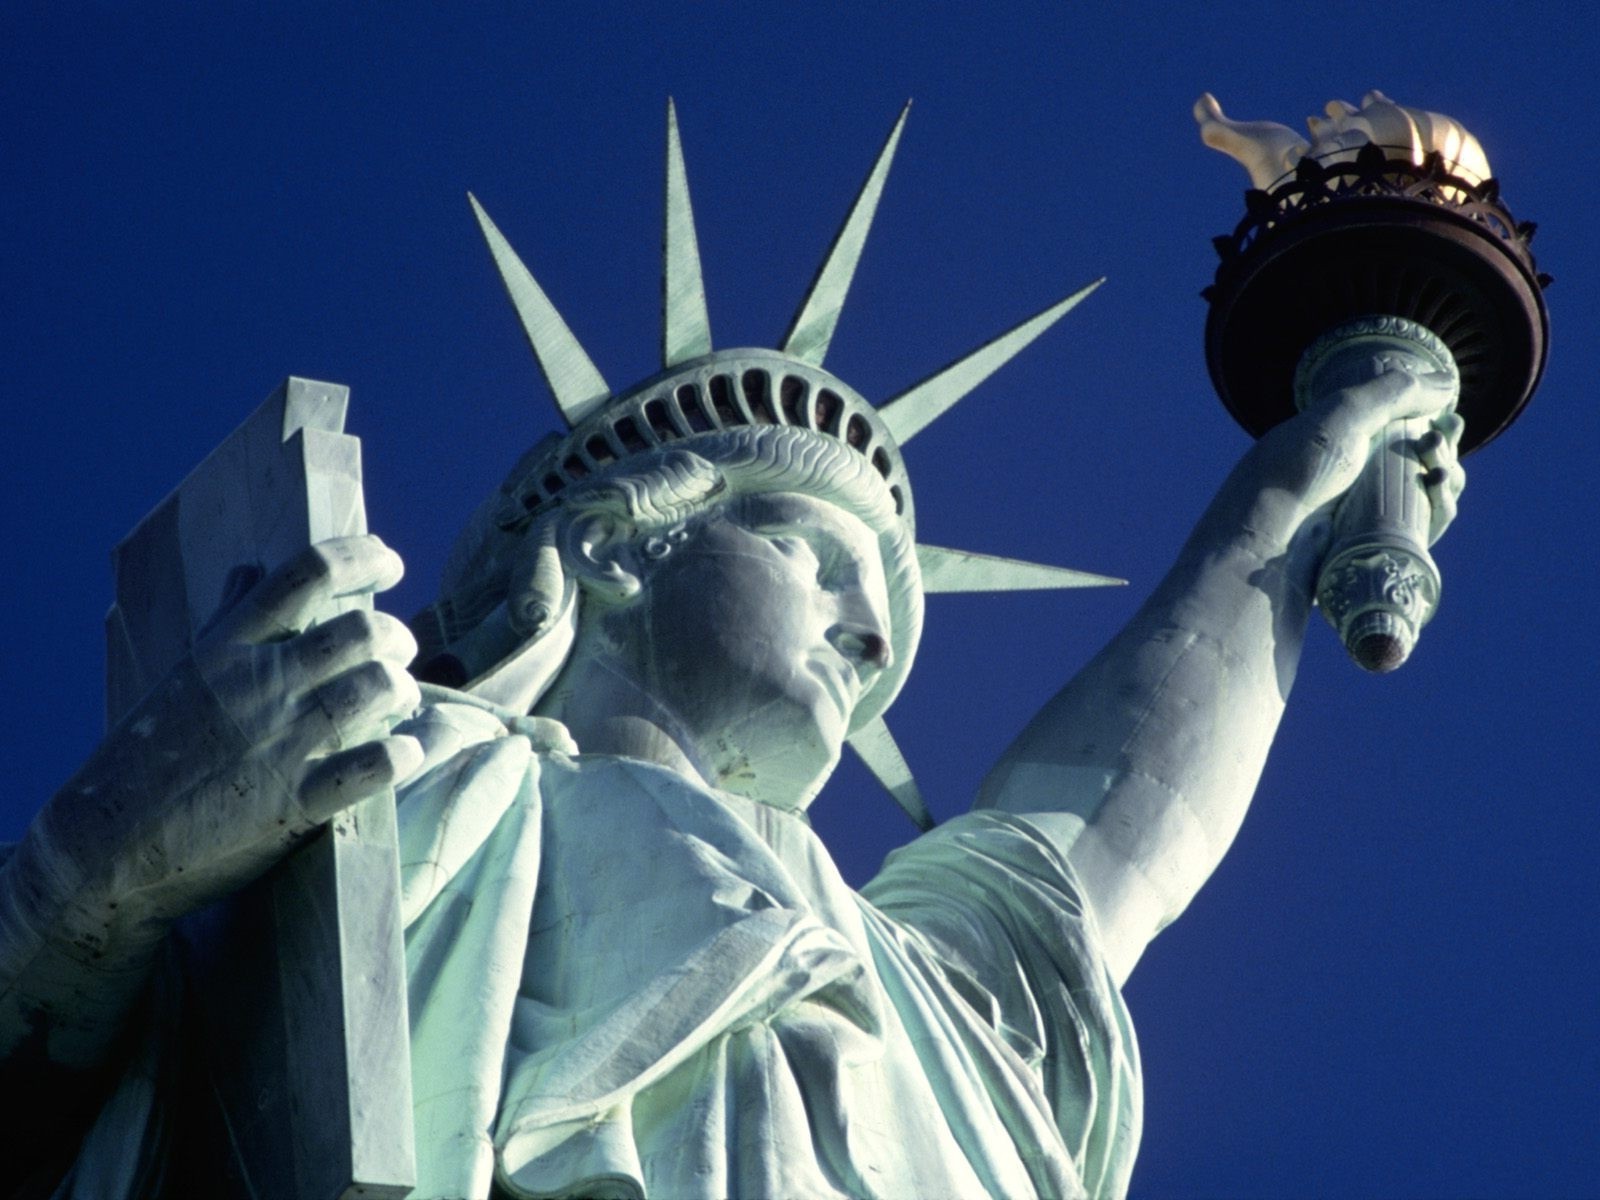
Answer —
1377 236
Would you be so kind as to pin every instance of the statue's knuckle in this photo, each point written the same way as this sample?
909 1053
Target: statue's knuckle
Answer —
345 696
371 680
387 687
359 628
316 564
318 644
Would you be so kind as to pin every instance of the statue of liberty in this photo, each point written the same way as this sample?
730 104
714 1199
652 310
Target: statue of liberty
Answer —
633 969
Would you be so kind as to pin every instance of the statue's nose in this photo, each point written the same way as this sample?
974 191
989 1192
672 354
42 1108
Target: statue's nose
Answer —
862 646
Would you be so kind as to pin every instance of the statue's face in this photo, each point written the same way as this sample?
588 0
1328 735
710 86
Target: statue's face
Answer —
759 633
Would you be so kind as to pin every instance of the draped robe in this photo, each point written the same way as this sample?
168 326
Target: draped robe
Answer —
625 984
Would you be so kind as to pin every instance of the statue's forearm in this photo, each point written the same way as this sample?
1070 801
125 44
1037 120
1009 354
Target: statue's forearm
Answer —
63 998
106 867
1149 757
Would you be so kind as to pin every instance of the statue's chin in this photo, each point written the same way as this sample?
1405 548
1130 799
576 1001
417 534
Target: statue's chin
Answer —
787 778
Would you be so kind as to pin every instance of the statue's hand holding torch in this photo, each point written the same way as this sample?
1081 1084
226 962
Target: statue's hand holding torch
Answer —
1378 585
1377 282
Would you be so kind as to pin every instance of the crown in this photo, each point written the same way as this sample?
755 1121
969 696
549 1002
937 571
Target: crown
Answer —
701 392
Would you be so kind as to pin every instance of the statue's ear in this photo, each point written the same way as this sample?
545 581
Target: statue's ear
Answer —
601 553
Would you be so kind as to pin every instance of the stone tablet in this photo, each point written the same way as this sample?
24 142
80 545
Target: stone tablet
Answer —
301 976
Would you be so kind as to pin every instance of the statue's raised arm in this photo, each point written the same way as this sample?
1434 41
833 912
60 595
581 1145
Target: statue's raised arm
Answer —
1153 751
1379 285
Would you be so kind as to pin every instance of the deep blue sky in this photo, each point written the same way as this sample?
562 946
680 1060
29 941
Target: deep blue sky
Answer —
1388 989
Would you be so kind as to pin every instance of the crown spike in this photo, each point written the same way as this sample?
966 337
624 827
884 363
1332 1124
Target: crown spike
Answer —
875 746
578 387
914 409
685 324
945 570
812 329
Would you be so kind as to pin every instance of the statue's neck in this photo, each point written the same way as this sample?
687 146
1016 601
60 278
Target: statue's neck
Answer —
608 711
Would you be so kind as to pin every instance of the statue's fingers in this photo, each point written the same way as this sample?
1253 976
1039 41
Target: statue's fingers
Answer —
1452 425
1436 449
1444 486
342 779
355 707
1423 394
348 640
1439 389
1446 432
297 593
1429 448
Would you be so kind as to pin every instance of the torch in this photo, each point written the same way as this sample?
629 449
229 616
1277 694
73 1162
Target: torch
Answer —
1384 236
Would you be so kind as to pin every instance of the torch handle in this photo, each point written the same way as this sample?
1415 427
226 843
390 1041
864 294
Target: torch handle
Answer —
1378 585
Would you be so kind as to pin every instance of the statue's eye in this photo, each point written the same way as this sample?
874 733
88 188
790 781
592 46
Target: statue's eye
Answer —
792 546
804 553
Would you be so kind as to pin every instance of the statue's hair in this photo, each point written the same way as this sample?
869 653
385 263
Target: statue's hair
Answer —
674 486
659 491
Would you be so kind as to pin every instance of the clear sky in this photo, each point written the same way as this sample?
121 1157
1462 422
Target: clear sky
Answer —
1389 987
